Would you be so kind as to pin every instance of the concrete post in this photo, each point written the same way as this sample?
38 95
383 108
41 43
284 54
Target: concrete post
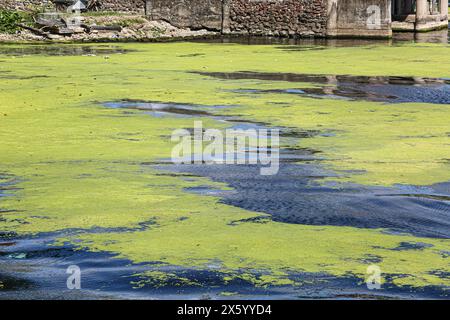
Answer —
421 10
332 18
226 20
148 8
444 8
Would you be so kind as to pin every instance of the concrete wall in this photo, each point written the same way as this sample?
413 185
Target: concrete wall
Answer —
371 18
195 14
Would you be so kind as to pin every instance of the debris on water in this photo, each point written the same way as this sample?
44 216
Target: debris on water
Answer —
7 244
17 256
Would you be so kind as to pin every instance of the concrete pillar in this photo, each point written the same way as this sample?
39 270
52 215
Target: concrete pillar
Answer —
444 7
226 20
148 8
421 9
332 18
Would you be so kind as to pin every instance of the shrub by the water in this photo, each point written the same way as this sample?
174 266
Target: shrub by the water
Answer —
8 20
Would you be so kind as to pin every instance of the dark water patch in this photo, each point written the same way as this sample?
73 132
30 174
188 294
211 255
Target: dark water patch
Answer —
302 43
300 134
412 246
158 109
292 196
11 283
177 175
7 244
445 254
141 226
377 88
372 259
259 219
186 110
42 274
245 121
324 79
8 235
192 55
441 274
207 190
438 36
61 50
291 43
16 77
419 195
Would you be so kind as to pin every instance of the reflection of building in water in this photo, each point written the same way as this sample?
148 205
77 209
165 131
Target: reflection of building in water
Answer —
419 15
438 36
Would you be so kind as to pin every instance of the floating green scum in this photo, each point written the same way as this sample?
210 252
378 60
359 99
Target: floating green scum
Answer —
71 163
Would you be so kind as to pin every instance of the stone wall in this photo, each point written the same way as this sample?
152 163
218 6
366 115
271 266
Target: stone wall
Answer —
136 6
255 17
20 4
279 17
195 14
341 18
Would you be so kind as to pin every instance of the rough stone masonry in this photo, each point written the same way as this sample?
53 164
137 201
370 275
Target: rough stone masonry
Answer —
279 17
256 17
335 18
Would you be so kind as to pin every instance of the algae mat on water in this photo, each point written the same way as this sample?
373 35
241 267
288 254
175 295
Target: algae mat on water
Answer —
75 165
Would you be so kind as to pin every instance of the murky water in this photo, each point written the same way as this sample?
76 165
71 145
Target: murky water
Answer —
440 36
295 196
386 89
301 194
61 50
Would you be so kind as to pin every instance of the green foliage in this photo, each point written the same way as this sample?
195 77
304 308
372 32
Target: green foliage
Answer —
8 21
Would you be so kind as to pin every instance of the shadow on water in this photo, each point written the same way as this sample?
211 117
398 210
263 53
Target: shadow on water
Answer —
376 88
291 196
60 50
304 44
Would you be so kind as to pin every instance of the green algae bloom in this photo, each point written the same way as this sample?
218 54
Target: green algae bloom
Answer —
76 165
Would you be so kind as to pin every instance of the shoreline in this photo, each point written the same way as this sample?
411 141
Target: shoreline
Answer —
43 41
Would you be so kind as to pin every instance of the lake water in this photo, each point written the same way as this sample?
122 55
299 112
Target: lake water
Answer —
86 177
